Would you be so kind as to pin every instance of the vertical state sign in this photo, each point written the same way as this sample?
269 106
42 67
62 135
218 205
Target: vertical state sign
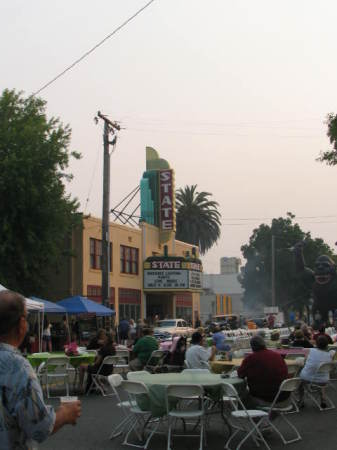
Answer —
166 200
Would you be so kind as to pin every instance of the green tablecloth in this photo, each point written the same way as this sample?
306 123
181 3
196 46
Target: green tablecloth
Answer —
37 358
157 383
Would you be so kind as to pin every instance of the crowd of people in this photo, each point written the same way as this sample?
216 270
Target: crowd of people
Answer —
25 416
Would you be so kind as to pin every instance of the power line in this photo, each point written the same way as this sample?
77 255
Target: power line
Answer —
93 48
271 218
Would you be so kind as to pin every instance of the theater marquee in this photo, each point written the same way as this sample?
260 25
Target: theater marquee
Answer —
172 275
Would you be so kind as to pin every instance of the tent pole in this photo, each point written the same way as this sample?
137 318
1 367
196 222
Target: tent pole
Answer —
68 329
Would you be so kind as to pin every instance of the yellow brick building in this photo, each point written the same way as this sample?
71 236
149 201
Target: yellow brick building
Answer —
129 248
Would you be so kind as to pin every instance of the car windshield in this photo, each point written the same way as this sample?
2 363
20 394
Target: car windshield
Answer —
167 323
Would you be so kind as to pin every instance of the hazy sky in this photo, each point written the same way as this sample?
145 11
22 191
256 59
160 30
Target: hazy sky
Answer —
233 94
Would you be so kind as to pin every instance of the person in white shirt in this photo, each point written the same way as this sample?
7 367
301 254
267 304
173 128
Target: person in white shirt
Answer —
309 373
197 356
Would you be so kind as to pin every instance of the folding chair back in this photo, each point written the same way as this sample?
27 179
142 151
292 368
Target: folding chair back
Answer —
57 368
115 380
59 363
326 367
290 385
156 361
134 387
100 381
185 391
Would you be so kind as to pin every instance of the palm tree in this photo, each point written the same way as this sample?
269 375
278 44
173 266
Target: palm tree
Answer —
198 219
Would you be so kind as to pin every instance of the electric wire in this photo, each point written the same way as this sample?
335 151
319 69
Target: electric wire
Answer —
93 48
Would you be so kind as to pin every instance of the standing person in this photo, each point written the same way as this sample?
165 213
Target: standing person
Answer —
46 337
132 331
65 332
24 417
139 328
219 340
123 331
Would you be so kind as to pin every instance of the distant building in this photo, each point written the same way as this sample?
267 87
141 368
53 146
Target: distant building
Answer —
222 293
229 265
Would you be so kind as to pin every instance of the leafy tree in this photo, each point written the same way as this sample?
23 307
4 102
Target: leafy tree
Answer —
198 219
330 156
290 290
36 214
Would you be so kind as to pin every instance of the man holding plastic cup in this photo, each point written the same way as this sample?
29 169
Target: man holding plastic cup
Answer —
24 417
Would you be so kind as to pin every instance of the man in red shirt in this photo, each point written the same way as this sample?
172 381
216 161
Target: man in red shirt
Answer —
264 370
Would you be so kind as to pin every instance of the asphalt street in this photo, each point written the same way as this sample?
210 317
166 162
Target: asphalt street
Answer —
318 430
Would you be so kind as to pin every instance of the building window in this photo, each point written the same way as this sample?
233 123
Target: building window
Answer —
95 293
96 254
129 260
129 303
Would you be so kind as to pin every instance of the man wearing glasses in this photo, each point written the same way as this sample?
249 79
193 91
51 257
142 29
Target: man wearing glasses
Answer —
24 417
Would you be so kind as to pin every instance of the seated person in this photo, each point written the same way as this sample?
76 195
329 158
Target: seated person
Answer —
107 349
292 334
321 332
300 340
315 357
264 370
197 356
71 349
177 355
219 340
96 342
306 332
143 349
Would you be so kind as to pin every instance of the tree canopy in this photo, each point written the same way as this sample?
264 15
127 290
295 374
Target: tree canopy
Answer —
198 218
290 289
330 156
36 214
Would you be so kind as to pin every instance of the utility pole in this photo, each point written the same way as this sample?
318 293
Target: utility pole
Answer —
273 295
109 131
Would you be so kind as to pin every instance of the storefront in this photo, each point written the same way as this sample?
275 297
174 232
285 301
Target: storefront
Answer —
172 286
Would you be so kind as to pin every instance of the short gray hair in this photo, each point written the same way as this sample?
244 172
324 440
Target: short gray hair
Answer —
257 343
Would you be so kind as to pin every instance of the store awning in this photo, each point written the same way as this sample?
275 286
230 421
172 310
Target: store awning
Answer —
82 305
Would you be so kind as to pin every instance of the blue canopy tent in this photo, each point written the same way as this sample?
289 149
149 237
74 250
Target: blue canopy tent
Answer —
82 305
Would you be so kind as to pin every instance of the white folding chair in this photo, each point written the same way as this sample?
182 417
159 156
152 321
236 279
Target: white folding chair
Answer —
281 408
156 361
314 387
142 418
248 421
57 368
99 381
122 363
179 393
115 381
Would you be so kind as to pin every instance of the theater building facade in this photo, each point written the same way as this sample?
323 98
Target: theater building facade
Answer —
151 273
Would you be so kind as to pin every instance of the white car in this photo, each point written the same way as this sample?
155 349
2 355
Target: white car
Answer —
173 326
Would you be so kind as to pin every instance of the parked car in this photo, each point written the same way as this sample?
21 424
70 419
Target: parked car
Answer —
173 326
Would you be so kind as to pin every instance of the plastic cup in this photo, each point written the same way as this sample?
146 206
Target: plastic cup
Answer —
68 399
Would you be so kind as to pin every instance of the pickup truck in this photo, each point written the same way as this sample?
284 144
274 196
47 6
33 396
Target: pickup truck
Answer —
173 326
